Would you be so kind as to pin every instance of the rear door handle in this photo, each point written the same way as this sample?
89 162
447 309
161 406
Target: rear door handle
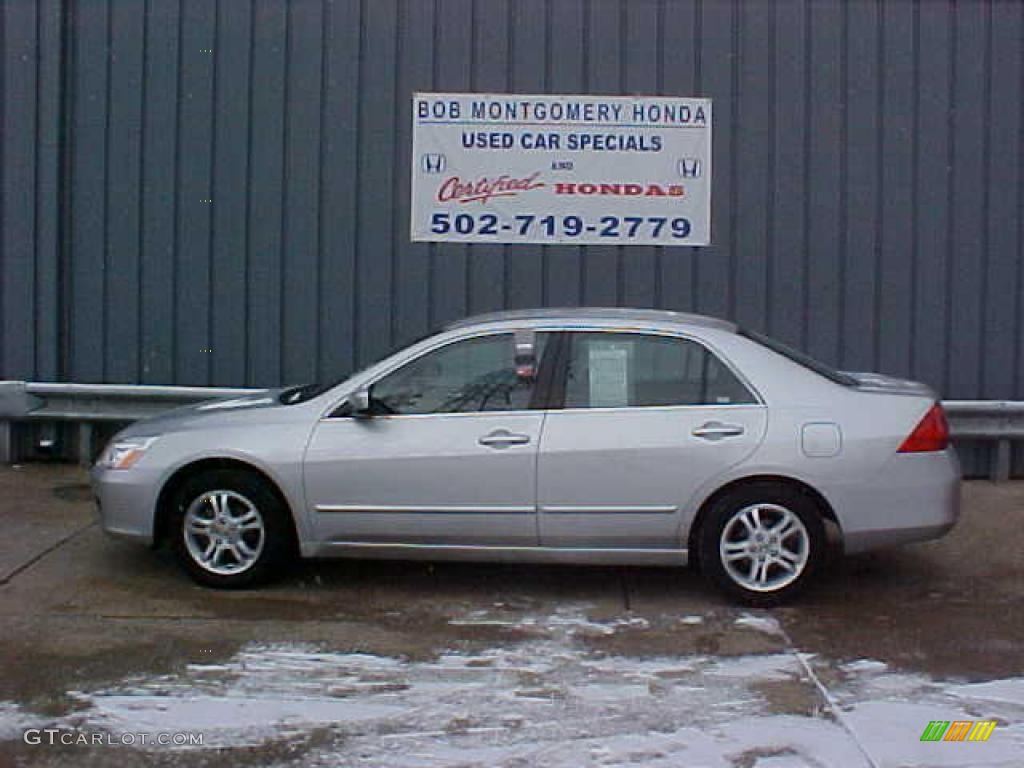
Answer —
502 438
716 430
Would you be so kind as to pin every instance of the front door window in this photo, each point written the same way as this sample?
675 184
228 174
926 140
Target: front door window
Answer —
481 374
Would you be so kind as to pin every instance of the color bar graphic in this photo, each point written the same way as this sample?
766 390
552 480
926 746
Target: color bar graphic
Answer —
958 730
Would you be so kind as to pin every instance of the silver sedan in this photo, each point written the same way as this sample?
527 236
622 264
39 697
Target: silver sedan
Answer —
612 436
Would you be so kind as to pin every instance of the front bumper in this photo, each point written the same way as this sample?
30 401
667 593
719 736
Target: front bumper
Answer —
126 501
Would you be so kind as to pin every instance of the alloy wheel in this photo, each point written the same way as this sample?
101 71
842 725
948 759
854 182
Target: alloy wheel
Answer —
223 532
764 547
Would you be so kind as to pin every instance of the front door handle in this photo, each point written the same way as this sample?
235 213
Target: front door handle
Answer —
716 430
502 438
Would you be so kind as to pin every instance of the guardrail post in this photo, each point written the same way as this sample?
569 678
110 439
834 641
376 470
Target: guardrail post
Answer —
1001 457
85 435
6 442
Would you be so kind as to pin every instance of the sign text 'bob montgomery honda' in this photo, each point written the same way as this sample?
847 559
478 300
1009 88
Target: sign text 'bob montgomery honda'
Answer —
506 168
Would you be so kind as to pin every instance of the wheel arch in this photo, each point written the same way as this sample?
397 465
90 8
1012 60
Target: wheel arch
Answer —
833 529
165 499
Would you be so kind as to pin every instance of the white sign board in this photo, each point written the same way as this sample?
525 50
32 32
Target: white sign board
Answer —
609 170
608 373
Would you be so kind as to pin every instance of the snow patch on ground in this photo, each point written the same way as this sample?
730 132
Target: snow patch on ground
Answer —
889 711
14 721
765 624
551 700
569 620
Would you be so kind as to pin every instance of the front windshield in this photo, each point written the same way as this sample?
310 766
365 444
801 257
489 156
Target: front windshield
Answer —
304 392
301 393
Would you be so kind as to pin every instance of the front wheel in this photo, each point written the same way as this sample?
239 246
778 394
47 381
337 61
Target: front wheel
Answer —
762 543
230 530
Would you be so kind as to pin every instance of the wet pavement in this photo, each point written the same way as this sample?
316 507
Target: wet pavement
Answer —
411 664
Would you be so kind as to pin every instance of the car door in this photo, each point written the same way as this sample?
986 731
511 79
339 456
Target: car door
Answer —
448 458
646 420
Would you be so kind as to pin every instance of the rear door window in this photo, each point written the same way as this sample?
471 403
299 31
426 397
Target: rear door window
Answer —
630 370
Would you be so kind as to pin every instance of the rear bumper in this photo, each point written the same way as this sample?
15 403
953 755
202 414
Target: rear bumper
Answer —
125 502
916 497
865 541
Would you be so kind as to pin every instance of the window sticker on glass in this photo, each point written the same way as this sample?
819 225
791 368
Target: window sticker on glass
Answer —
608 371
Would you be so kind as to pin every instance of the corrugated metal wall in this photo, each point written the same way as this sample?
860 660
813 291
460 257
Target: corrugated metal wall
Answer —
867 191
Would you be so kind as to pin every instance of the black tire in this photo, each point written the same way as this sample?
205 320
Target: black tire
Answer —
787 565
276 537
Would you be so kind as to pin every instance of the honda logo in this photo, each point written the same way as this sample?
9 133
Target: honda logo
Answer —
432 163
689 168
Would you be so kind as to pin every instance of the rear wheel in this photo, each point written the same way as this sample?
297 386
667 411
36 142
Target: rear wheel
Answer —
230 530
762 543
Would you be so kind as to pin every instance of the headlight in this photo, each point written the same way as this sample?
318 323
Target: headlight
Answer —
123 454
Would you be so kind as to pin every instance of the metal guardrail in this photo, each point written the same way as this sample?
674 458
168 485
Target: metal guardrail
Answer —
88 405
998 421
1001 421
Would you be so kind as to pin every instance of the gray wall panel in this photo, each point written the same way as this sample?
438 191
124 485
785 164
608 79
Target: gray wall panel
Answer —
716 278
753 120
18 35
524 275
898 202
87 334
453 66
565 49
970 57
862 131
680 56
127 40
47 189
603 54
338 185
1003 201
640 75
300 249
824 190
230 191
490 74
411 278
266 190
932 187
377 178
787 243
196 120
868 177
157 193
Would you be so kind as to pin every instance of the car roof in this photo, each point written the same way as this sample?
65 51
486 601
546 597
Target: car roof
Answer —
585 314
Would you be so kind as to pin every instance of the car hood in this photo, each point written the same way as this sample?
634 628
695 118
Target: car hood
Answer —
204 413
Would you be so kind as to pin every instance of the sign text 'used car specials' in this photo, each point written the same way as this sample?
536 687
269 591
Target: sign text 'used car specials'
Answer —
506 168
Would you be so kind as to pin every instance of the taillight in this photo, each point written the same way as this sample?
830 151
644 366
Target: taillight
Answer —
931 433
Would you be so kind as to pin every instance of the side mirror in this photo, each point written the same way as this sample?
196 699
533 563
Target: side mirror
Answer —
359 403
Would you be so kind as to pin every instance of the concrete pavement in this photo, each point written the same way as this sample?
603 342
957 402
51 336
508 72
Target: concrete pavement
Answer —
375 663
